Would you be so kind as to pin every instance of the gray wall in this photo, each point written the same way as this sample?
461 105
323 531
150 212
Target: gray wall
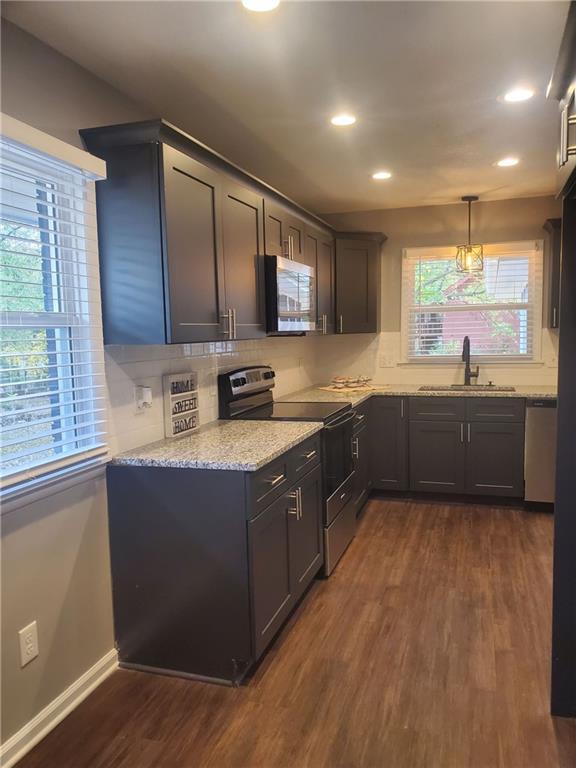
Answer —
56 571
492 222
54 94
55 555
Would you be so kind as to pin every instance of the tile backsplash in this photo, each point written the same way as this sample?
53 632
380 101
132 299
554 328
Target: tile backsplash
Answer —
298 361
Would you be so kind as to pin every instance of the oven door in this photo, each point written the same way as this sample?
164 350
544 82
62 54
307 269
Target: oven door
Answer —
338 463
290 296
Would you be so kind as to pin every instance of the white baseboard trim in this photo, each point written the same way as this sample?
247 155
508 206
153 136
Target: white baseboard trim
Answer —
36 729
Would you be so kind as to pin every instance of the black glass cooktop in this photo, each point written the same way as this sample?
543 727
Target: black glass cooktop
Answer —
324 412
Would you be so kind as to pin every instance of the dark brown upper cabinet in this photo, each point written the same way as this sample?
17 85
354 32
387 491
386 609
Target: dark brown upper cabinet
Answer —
319 253
553 228
193 254
182 236
357 282
243 249
285 232
561 88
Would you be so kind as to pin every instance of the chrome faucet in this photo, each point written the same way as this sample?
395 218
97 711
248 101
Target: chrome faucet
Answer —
469 374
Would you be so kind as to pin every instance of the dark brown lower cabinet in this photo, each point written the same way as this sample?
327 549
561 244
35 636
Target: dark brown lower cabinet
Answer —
286 552
305 541
495 459
361 480
437 456
268 535
388 443
207 564
473 455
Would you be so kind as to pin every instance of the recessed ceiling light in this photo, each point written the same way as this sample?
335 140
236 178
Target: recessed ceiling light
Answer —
507 162
260 5
382 175
518 94
343 119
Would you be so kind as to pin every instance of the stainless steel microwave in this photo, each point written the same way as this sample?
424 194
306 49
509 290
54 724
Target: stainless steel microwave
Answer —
290 296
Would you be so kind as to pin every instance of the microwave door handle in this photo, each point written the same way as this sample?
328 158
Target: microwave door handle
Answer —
342 421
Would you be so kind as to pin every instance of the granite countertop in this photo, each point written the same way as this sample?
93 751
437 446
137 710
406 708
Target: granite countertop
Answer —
314 394
245 446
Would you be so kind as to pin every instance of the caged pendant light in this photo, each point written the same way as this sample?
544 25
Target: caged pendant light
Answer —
469 258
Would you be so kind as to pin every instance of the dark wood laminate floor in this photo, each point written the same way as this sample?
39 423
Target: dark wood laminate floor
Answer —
428 648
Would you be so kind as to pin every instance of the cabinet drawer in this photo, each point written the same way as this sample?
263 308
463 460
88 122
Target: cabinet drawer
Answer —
304 457
361 418
269 483
437 408
495 409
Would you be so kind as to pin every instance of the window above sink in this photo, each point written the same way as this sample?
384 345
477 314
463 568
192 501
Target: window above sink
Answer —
500 308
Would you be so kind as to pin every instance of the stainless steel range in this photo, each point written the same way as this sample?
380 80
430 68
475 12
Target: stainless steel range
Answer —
246 393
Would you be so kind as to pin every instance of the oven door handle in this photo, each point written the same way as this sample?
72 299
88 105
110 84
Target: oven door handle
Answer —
344 420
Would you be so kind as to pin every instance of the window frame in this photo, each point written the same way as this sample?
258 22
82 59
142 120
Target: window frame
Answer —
79 353
535 308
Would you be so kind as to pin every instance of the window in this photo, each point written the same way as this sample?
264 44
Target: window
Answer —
52 389
499 308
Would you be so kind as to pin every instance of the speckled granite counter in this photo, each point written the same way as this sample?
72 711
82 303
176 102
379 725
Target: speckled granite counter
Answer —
314 394
245 446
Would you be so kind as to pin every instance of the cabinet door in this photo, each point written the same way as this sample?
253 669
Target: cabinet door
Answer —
268 536
305 530
361 468
356 286
437 456
275 230
388 443
319 253
193 259
296 236
553 242
243 247
495 459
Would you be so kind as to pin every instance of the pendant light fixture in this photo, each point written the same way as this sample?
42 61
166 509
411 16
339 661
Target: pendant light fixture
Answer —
469 258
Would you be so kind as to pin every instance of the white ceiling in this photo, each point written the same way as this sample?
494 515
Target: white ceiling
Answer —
422 77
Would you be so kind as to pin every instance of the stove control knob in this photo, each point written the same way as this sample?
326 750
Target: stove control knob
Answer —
268 374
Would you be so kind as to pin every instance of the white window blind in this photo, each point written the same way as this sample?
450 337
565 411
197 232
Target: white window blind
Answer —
52 387
499 308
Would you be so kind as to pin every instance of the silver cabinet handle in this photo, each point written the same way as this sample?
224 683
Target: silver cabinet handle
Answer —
360 417
324 324
355 448
286 244
343 494
275 480
340 325
227 317
402 408
554 317
297 496
469 434
461 432
309 455
234 334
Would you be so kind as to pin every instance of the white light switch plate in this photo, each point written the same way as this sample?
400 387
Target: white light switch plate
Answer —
28 637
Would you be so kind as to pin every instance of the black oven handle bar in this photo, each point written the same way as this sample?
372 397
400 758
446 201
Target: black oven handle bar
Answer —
340 422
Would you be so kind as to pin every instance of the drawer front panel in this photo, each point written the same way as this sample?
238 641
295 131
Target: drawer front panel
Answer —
305 457
495 409
362 416
437 408
269 483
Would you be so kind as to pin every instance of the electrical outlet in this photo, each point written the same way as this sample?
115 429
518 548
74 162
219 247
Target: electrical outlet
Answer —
28 637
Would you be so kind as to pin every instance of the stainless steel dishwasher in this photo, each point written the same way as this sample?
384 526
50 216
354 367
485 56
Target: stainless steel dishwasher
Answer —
540 450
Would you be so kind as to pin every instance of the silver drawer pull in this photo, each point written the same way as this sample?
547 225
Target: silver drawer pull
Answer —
275 480
344 494
360 417
309 455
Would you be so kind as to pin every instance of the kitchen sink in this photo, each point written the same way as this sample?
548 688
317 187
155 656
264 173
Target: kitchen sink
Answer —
466 388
